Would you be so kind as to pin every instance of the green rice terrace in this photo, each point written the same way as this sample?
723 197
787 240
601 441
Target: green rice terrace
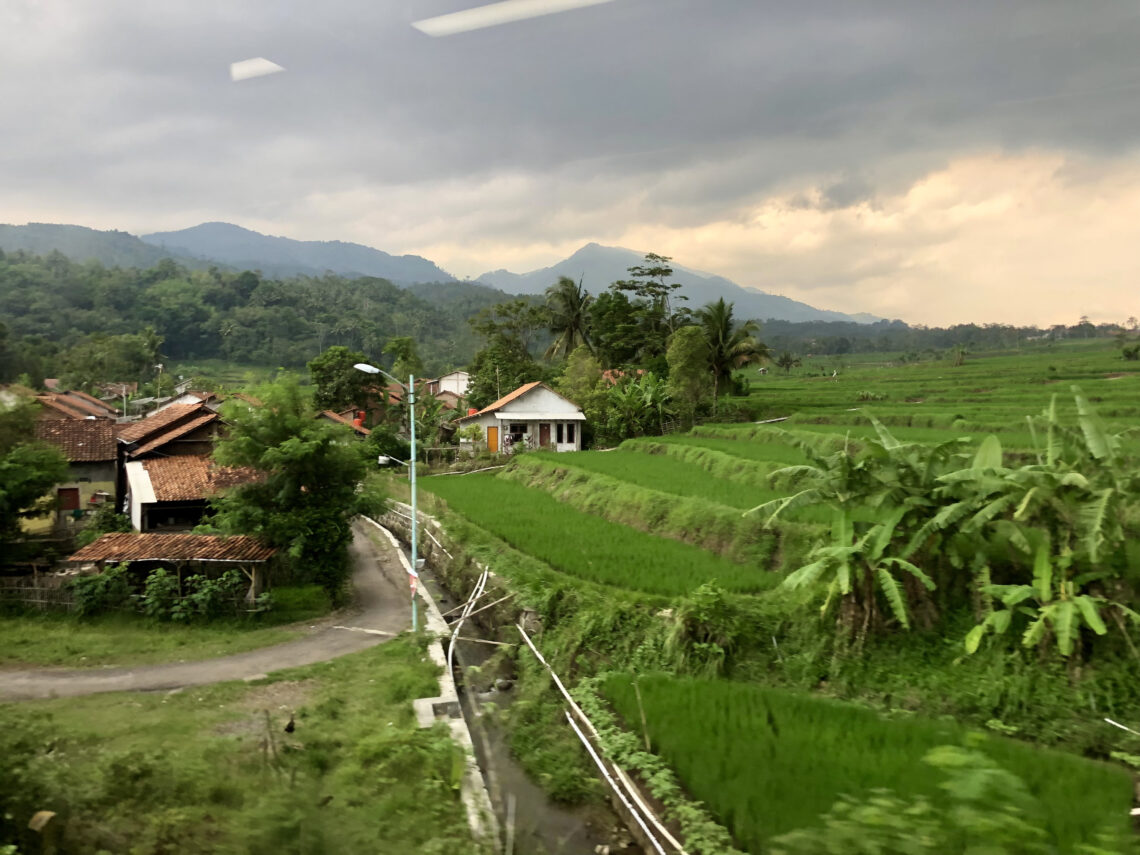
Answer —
926 578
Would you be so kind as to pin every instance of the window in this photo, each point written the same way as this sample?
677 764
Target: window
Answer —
570 432
517 432
558 433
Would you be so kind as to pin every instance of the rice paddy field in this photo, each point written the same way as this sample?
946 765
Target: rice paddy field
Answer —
586 546
764 760
988 392
772 761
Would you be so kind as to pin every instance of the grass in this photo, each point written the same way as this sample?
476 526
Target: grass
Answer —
768 761
192 771
46 639
587 546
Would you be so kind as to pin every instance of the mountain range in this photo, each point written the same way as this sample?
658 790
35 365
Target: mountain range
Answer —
278 256
228 245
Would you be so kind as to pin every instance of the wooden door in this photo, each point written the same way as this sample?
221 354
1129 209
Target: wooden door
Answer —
493 438
544 434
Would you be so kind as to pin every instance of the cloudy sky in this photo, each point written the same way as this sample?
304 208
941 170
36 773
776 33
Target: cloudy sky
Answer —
938 162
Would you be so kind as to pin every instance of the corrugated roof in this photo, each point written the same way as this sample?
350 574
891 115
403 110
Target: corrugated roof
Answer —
141 429
192 476
173 547
174 432
80 440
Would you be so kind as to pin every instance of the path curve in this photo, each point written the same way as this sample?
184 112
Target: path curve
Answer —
381 611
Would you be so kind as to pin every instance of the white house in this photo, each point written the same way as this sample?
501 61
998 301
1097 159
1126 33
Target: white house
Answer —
535 416
456 382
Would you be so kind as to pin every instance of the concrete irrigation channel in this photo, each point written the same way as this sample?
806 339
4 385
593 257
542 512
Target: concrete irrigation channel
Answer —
482 617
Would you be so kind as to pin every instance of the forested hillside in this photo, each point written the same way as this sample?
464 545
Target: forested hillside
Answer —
53 309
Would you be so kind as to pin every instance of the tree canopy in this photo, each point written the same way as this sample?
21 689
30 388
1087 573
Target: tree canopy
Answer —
28 469
308 492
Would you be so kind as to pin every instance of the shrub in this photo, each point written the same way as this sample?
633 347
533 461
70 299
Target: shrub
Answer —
102 592
211 598
160 595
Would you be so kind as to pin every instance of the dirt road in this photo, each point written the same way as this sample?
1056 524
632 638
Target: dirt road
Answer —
381 611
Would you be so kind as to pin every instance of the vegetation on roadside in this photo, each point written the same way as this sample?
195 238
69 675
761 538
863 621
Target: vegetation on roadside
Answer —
117 639
210 769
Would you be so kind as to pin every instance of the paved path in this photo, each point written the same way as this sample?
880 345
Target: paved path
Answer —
381 611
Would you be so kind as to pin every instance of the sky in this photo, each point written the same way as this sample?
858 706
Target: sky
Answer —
935 162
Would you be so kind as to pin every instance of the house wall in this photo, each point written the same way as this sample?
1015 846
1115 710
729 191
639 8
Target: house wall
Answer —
89 479
522 411
539 400
456 381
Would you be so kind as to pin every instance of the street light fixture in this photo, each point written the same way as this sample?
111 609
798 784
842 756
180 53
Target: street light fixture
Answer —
410 391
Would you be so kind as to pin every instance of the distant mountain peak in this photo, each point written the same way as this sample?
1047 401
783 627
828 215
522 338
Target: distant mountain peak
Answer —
598 266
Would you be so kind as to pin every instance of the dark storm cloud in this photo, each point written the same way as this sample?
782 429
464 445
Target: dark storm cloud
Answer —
695 106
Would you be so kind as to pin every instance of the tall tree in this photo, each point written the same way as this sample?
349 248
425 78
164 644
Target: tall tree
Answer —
518 320
648 281
653 300
340 386
407 362
616 332
688 358
308 494
28 469
569 306
731 344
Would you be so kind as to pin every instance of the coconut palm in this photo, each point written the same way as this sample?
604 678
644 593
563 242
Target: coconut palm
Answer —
732 344
569 305
787 361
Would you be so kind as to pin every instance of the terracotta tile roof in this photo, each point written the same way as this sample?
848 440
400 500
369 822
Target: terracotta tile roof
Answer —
92 403
140 429
507 398
77 405
173 433
81 440
165 426
173 547
66 409
341 420
192 476
448 398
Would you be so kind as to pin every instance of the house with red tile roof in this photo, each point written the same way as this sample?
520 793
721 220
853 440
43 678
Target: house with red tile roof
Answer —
89 446
177 431
532 416
74 405
171 493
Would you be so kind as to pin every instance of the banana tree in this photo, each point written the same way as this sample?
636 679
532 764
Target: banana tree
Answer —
857 568
1062 521
1055 604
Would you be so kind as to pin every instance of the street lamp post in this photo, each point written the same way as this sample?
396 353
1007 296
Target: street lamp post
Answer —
410 391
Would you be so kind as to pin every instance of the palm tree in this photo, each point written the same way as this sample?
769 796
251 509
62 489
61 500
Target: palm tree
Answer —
732 345
787 361
569 306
